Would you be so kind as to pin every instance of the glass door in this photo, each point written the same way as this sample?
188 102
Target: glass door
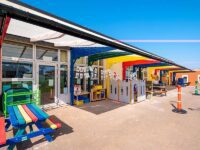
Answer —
47 83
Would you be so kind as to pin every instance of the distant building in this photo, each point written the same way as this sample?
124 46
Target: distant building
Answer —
190 77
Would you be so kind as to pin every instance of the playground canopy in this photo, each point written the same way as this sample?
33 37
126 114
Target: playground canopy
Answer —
37 25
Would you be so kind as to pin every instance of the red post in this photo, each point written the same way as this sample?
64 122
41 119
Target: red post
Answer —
5 24
179 102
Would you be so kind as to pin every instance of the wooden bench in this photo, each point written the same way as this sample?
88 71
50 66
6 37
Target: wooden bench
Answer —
159 90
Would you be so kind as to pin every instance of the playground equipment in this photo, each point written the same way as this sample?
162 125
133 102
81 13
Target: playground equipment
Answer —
19 96
124 91
196 88
114 90
24 113
129 91
139 87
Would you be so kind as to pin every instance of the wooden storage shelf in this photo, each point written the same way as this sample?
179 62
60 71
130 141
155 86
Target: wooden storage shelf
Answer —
97 95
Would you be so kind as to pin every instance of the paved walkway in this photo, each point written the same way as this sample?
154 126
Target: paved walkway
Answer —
107 125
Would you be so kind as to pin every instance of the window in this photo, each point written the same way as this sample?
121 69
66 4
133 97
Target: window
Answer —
17 70
17 50
198 78
63 56
46 54
63 79
185 78
129 70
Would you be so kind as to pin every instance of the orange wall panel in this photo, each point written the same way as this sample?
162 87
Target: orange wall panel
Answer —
192 76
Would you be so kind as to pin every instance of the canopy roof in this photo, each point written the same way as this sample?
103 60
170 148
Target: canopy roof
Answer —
37 25
169 69
106 55
152 65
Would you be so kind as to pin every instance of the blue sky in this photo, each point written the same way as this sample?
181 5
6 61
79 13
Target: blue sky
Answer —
138 20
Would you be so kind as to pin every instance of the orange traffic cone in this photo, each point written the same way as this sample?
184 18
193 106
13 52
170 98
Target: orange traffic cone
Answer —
179 103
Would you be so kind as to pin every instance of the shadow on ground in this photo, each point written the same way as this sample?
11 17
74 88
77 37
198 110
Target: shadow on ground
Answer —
100 107
194 109
179 111
65 129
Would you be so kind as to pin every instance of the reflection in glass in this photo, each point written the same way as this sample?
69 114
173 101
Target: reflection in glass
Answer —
46 54
17 70
47 83
17 50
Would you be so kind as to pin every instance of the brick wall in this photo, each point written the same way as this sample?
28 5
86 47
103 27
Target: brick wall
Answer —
192 76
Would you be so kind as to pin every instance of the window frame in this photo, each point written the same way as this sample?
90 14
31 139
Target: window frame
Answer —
198 78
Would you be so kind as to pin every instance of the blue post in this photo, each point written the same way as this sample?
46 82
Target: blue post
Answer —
134 69
72 62
174 78
161 73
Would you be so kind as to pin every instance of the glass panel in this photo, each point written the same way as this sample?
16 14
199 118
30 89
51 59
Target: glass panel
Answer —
46 54
63 56
101 62
80 61
86 60
17 50
47 83
63 79
185 79
17 70
129 70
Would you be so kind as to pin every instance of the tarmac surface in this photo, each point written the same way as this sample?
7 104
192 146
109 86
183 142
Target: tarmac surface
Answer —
110 125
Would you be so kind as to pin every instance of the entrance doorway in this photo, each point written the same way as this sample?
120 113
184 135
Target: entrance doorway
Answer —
47 83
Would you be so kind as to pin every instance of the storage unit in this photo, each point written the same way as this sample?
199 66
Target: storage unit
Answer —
97 93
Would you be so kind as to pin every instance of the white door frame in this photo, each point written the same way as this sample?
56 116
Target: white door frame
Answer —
63 97
56 77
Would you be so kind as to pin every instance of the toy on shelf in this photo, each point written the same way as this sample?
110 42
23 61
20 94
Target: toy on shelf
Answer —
79 98
97 93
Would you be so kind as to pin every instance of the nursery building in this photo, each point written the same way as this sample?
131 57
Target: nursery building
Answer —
63 60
